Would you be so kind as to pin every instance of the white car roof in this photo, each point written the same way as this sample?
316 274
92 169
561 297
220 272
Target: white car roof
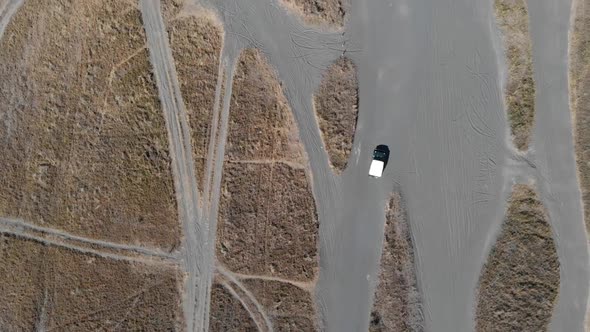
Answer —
376 168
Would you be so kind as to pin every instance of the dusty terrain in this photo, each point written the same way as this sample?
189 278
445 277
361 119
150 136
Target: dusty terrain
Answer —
336 105
325 13
227 313
513 21
397 304
52 288
196 41
267 220
84 140
520 281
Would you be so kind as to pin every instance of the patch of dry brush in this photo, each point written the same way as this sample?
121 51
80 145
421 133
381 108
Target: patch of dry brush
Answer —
227 313
336 105
84 142
519 94
50 288
196 43
289 307
397 305
267 223
520 281
324 13
579 76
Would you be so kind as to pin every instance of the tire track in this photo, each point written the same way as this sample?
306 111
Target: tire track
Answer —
7 9
196 267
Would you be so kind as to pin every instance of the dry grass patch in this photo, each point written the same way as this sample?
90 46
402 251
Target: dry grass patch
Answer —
325 13
267 218
336 104
519 94
82 132
196 43
289 307
397 305
52 288
520 280
227 313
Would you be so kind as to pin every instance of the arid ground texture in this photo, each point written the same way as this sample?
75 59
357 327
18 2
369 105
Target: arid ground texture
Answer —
201 165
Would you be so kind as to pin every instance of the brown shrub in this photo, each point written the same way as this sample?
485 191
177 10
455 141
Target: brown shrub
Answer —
397 303
336 104
265 191
84 139
325 13
513 21
289 307
227 313
53 288
520 281
267 222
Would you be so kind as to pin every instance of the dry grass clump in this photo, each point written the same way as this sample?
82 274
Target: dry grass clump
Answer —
83 137
267 217
267 221
336 104
520 281
325 13
397 305
227 313
513 21
289 307
51 288
196 46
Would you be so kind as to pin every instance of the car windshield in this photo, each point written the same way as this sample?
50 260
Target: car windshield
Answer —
379 155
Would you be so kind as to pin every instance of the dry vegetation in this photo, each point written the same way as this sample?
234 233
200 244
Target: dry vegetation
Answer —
520 281
513 21
49 288
397 304
324 13
579 75
84 142
289 307
227 313
267 223
336 104
196 43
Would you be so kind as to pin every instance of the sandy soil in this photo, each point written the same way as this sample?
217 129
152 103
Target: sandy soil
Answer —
397 304
46 287
81 114
513 21
336 104
520 281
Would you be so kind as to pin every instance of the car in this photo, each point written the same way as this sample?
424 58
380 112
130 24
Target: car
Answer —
380 158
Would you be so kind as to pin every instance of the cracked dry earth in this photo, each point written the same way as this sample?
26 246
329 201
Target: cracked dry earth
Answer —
96 223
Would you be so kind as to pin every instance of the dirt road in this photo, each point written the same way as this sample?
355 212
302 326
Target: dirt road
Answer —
430 87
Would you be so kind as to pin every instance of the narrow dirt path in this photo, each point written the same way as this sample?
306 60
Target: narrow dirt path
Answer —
195 297
21 228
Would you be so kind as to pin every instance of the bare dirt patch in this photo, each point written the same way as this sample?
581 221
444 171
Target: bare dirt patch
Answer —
267 218
330 14
196 43
519 93
336 105
227 313
397 305
82 132
289 307
47 288
520 281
